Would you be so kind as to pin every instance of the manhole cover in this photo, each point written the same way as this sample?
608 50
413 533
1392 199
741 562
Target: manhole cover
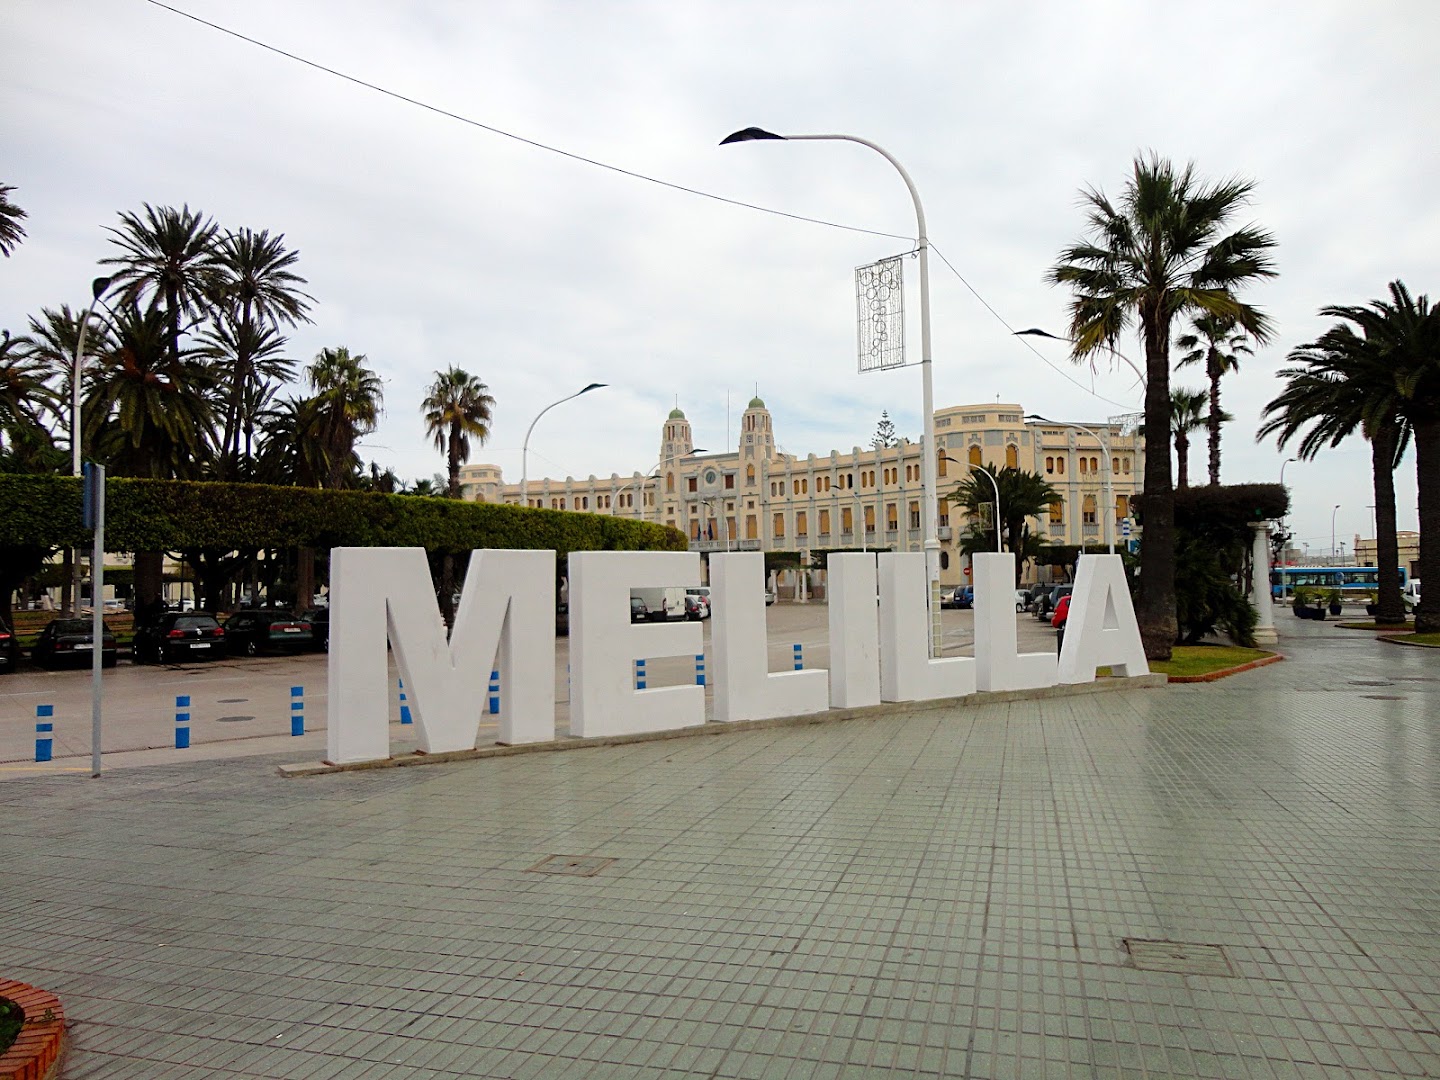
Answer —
574 865
1178 957
1383 697
232 719
231 700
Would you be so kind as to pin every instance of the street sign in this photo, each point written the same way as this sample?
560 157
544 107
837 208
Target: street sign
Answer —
1125 527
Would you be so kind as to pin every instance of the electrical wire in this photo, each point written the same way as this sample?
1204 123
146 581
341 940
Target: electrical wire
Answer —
355 80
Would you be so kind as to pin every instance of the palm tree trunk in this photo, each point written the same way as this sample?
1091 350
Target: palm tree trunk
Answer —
1427 474
1214 424
1387 549
453 460
1182 461
1155 601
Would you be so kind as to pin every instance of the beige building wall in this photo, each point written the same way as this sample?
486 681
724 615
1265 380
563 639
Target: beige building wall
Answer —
1408 542
756 498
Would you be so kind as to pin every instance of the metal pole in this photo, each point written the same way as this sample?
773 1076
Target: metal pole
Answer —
1332 533
525 446
97 619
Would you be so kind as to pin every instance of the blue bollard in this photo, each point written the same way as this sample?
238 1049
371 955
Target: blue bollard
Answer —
494 693
639 674
405 717
182 721
297 710
700 669
799 659
44 732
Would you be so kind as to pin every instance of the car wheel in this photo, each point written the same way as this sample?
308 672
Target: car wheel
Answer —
250 649
107 661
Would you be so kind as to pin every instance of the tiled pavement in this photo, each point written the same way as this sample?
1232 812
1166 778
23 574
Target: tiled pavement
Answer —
935 893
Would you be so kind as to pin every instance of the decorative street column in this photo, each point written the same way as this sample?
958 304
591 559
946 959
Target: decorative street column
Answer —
1260 585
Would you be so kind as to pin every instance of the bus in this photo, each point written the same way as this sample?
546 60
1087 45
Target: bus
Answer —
1350 580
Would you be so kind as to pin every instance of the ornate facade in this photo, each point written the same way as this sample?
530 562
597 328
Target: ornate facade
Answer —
755 498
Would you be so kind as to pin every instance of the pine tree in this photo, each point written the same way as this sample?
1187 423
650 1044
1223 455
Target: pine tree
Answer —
884 433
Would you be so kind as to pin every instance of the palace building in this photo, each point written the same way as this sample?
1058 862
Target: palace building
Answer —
756 498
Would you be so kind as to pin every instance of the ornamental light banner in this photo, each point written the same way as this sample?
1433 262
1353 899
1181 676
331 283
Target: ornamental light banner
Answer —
505 622
880 314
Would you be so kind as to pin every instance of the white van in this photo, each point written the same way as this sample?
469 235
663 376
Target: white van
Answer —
664 603
1412 592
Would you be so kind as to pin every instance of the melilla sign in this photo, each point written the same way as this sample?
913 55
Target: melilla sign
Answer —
878 643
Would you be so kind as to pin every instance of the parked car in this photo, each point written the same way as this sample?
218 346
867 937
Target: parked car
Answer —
702 592
1036 593
177 636
1022 598
252 632
769 596
319 620
696 607
9 649
1046 607
962 597
72 642
639 612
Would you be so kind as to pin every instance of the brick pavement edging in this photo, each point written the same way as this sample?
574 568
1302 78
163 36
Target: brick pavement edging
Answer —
871 712
1211 676
35 1054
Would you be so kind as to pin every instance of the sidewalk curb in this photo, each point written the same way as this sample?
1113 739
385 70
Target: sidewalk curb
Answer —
1211 676
1390 639
35 1054
869 712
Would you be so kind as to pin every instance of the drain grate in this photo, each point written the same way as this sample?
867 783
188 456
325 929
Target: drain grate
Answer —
573 865
232 719
1178 957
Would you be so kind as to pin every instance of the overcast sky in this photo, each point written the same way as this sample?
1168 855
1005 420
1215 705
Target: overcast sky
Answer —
429 242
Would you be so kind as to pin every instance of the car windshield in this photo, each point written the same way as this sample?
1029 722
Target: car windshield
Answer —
194 622
71 626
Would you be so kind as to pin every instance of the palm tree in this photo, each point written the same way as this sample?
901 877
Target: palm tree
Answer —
25 395
251 353
1406 332
1161 252
457 407
170 256
348 398
11 231
1023 495
144 414
291 450
52 341
1187 412
1342 383
258 291
1218 345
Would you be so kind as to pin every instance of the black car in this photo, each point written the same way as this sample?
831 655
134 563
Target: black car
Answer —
638 611
319 620
255 631
1045 607
71 642
9 649
178 636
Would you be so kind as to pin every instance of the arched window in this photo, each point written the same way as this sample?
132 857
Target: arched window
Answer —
669 483
944 561
1049 464
1126 463
940 462
975 458
1114 465
1094 464
1084 465
1012 456
1060 465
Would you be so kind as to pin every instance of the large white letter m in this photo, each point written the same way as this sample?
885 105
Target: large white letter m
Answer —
505 622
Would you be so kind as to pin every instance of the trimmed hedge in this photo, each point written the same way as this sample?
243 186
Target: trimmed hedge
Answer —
175 515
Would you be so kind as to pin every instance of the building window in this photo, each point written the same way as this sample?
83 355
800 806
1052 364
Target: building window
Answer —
729 481
752 527
802 525
780 526
869 519
1087 510
847 520
1084 465
1122 507
944 560
695 528
1012 456
772 489
1060 465
824 522
975 456
941 461
693 484
1057 513
749 475
1126 463
1049 464
892 516
1114 465
1094 465
914 515
669 483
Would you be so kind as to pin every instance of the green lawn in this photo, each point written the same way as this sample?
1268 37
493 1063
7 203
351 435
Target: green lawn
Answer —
1372 626
1203 659
1419 639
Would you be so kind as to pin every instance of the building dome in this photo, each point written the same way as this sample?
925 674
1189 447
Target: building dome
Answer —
755 403
676 414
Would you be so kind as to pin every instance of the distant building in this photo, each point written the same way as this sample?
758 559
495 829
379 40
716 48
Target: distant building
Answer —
756 498
1408 542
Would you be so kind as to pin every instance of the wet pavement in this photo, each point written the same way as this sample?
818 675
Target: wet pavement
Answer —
971 891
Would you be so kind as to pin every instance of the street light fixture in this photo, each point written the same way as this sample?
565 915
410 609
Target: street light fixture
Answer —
985 473
1332 533
928 463
1109 514
97 290
694 451
525 447
1035 331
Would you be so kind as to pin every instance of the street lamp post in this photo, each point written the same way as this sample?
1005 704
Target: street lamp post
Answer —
1109 514
860 522
97 290
928 465
525 446
985 473
1286 531
1332 533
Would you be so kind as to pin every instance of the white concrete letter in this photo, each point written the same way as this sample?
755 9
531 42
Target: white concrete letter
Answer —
505 621
744 687
907 673
604 645
1101 628
854 630
999 663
